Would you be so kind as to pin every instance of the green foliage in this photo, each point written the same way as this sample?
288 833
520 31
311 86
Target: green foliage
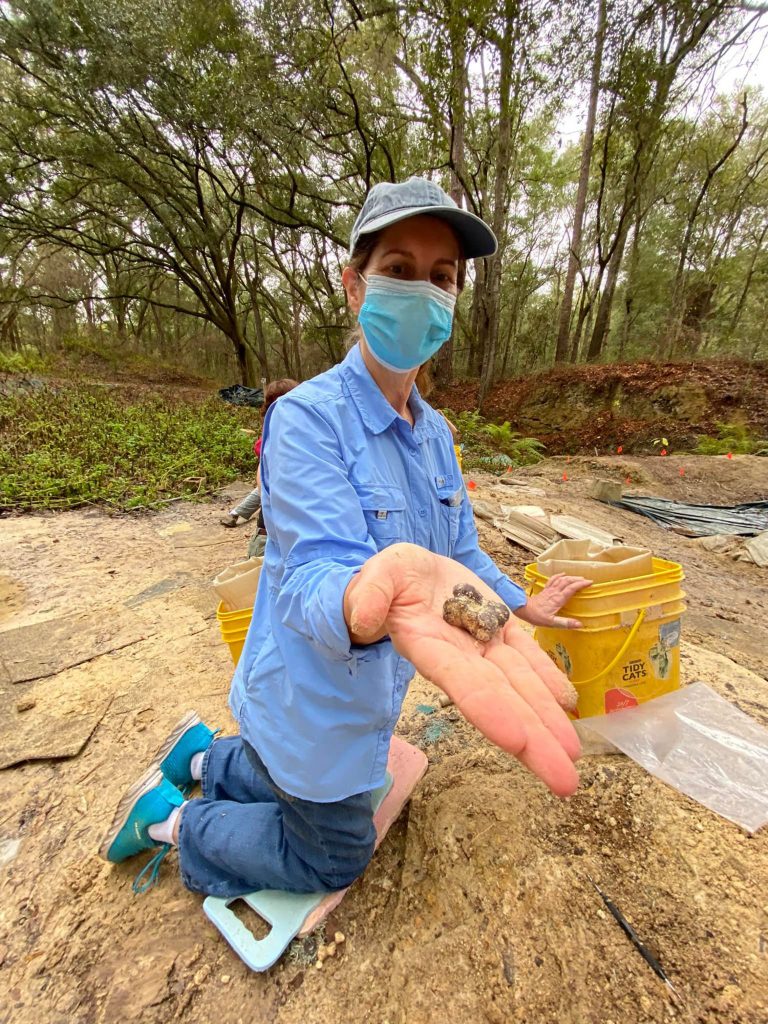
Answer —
493 447
734 438
81 348
26 360
62 448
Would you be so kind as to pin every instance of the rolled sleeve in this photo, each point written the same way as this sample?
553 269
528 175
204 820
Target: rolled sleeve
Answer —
469 553
314 515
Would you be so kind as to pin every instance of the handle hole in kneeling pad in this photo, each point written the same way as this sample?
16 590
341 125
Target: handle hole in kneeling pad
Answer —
250 919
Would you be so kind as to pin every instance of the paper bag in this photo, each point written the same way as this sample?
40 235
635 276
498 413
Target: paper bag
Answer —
595 561
237 585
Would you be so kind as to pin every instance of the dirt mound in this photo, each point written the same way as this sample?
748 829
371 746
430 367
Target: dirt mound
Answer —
575 408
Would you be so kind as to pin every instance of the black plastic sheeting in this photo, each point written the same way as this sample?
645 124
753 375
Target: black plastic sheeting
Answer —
239 394
701 520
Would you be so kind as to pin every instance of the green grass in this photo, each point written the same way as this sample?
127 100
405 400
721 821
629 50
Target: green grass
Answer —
493 447
67 447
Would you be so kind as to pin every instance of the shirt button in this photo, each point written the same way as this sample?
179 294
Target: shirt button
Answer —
412 451
422 512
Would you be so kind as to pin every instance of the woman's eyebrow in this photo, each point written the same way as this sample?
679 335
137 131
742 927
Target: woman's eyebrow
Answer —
404 252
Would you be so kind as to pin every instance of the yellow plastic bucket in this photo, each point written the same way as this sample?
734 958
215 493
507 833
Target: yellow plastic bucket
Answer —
457 449
234 626
629 649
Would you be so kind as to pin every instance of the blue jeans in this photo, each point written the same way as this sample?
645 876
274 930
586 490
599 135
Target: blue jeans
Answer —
246 834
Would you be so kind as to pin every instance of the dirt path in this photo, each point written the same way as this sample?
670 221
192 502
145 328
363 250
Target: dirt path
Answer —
476 908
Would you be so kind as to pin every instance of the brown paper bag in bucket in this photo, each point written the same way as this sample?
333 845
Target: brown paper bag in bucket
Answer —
237 585
594 561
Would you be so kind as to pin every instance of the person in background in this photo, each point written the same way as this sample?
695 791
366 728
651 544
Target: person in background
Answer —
251 503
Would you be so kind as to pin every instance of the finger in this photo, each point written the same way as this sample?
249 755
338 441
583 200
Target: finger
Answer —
558 684
370 600
566 585
481 692
560 623
534 691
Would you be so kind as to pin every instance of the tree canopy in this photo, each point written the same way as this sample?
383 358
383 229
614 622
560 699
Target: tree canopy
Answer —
180 174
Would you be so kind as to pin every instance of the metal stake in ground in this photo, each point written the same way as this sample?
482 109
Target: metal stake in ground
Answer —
634 938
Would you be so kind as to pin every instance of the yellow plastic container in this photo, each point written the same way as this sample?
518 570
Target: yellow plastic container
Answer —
629 649
234 626
457 449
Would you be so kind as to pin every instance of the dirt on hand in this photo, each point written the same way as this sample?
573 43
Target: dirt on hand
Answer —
478 905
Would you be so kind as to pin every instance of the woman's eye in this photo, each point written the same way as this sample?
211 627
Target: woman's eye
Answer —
396 269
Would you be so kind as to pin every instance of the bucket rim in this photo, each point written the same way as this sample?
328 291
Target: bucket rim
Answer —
661 568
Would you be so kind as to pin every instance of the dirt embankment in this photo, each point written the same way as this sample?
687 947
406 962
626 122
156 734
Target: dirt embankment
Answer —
575 409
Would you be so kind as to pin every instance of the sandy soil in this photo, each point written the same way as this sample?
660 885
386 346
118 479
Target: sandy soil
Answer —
476 908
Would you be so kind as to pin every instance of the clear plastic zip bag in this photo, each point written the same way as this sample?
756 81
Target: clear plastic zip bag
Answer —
701 745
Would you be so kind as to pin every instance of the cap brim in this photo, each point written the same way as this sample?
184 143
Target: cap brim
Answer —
475 236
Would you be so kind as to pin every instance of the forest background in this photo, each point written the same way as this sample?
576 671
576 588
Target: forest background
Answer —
178 180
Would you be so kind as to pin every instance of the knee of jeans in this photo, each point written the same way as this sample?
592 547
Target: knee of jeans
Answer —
343 871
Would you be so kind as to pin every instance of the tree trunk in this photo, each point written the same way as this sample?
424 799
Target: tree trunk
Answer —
443 365
603 315
492 296
574 253
747 282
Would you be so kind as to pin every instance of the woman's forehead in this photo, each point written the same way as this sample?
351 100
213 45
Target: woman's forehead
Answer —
420 237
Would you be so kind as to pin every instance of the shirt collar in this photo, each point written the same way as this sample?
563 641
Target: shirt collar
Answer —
374 409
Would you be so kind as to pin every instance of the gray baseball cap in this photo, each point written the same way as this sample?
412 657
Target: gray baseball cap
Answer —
389 203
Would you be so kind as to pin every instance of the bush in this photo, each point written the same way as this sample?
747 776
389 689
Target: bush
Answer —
732 437
493 447
61 448
26 360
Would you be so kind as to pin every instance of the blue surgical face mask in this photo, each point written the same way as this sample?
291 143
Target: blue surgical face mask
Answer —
405 322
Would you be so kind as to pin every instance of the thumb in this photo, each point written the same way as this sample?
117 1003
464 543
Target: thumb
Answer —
368 599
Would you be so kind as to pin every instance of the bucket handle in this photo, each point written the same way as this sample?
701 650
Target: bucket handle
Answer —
617 658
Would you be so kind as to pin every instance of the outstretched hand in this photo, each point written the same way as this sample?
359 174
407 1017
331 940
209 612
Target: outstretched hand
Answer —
508 688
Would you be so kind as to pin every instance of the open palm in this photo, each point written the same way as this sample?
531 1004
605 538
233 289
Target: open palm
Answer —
508 688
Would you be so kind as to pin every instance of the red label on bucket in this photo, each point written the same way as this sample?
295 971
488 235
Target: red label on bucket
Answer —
617 699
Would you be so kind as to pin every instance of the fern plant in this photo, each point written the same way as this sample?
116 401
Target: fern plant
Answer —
734 438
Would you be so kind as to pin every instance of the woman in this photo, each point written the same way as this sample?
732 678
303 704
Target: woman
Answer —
369 531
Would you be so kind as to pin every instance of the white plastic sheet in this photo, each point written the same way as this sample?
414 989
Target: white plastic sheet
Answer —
699 744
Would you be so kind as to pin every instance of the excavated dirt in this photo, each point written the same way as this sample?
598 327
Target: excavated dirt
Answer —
629 404
476 908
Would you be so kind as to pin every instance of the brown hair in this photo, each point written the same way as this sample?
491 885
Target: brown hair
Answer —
367 243
275 389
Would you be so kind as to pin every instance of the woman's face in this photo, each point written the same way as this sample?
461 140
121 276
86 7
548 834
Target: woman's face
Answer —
420 248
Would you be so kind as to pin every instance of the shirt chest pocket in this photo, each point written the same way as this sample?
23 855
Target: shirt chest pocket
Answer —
384 511
450 498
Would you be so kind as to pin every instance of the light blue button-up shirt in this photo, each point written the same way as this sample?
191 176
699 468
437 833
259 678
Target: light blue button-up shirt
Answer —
342 476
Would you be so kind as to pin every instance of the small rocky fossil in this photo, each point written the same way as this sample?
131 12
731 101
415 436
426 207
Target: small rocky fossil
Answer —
469 610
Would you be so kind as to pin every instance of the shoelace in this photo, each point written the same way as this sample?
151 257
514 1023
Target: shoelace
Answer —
151 869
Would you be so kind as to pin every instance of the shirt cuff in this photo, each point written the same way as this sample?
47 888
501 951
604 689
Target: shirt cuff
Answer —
511 594
328 629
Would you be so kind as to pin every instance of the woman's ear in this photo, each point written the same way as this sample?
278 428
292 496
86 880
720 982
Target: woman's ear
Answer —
354 286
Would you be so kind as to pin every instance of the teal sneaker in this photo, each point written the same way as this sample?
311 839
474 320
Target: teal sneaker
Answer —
189 737
148 802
